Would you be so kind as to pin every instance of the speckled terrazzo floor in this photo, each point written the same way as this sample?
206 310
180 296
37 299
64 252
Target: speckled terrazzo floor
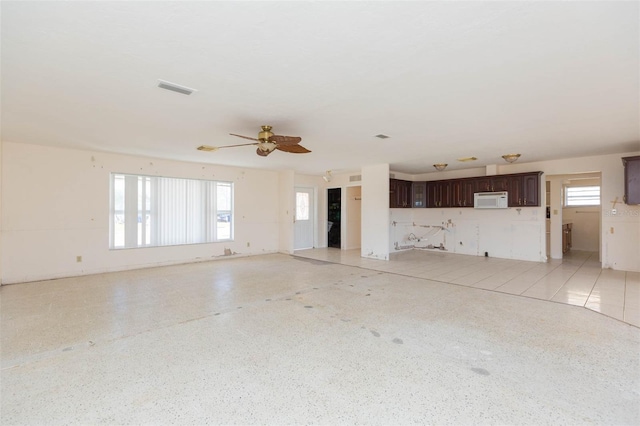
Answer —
279 339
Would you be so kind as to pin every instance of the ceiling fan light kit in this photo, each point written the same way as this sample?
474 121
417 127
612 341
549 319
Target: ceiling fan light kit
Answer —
440 166
266 146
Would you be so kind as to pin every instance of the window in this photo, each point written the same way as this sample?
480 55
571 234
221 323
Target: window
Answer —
581 196
302 206
148 211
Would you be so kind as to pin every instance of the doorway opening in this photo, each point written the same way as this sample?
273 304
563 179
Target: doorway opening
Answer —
574 220
334 208
353 213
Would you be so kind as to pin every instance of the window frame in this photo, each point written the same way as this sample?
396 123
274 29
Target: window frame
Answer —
147 229
566 199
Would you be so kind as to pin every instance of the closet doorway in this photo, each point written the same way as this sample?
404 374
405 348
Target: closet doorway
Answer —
334 209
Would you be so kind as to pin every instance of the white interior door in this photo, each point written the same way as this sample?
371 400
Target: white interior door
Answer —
303 227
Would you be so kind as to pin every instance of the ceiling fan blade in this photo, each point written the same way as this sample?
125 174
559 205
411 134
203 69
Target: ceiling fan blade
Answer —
207 148
285 140
210 148
262 153
294 149
244 137
240 144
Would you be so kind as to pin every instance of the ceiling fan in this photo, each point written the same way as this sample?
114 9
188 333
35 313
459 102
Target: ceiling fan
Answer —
266 142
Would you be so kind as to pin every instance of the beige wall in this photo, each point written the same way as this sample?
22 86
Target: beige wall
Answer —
1 192
375 212
56 207
585 227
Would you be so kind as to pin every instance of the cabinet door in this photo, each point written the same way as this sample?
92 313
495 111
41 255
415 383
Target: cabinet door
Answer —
631 180
499 183
468 188
438 194
456 193
408 194
461 191
399 193
404 194
445 194
419 194
432 194
531 189
393 193
483 184
515 191
442 194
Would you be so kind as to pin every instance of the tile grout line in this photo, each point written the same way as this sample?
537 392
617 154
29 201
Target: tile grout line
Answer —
523 272
541 278
624 298
568 279
591 291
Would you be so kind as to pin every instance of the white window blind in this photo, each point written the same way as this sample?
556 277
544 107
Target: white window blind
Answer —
582 196
148 211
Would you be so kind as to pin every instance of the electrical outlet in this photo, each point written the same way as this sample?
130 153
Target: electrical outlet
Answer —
78 259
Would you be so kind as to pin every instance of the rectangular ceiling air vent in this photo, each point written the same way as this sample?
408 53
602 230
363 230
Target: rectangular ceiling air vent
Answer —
381 136
355 178
175 87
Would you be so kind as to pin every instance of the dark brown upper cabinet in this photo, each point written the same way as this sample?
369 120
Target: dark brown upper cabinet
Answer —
439 193
399 193
523 189
462 192
631 180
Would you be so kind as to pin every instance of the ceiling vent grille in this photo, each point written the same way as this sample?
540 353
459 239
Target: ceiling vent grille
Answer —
381 136
175 87
355 178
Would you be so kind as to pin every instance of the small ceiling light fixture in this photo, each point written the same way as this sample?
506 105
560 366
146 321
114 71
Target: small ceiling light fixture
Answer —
167 85
464 159
510 158
327 176
440 166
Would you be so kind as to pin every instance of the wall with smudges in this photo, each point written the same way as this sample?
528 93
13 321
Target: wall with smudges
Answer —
56 207
375 212
1 192
504 233
287 208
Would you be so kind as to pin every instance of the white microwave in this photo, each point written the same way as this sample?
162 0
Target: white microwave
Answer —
491 200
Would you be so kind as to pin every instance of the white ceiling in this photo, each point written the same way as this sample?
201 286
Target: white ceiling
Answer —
442 79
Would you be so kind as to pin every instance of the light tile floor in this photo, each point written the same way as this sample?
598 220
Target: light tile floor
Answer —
575 280
280 339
